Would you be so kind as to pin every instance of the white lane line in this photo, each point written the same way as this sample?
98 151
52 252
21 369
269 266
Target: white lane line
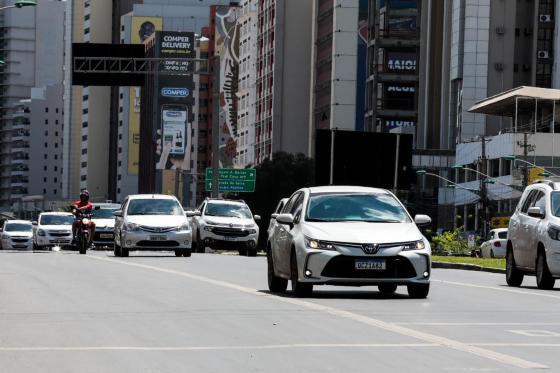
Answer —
426 337
480 323
260 347
216 348
508 290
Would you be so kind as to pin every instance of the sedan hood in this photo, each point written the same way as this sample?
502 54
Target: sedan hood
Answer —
104 223
222 220
158 221
361 232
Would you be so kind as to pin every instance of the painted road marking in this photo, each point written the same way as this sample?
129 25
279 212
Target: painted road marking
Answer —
480 323
508 290
535 333
426 337
259 347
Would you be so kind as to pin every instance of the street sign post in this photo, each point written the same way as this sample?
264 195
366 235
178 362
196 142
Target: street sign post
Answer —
232 180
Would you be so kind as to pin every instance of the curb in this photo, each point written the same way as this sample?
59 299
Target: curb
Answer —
467 267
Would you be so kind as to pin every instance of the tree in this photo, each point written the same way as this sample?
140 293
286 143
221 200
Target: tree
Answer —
278 178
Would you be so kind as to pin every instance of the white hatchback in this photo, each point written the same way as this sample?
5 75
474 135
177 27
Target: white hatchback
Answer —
495 246
17 234
54 229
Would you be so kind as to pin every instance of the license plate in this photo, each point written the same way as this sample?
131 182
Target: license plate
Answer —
375 264
158 238
105 235
226 238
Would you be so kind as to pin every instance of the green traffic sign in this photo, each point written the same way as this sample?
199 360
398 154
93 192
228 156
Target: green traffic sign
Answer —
233 180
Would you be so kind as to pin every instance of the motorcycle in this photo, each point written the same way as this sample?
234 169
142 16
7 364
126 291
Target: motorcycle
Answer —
83 230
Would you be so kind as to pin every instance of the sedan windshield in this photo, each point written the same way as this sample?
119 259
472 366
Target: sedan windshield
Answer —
18 227
154 207
228 210
104 213
56 220
374 208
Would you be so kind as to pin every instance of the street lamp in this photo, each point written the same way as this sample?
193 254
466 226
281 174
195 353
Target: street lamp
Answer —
488 179
21 4
450 183
546 173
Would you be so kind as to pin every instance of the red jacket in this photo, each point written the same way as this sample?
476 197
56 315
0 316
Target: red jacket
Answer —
83 206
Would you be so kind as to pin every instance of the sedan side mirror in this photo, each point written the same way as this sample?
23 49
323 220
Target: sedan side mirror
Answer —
422 220
34 223
287 219
257 217
191 213
118 213
273 216
535 212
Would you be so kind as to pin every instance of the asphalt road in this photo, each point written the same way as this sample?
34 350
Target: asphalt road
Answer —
153 312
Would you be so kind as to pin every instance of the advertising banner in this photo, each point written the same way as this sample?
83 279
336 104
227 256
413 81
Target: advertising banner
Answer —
401 62
174 99
143 27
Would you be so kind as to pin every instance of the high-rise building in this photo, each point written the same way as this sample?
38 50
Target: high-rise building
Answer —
283 78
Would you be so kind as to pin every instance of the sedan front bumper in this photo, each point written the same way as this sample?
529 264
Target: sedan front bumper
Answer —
156 241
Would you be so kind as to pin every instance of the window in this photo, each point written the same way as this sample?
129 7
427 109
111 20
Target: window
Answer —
84 137
83 177
56 110
85 111
46 133
44 168
46 145
56 169
46 110
44 180
540 201
46 121
527 202
84 124
85 97
56 145
84 164
84 151
54 192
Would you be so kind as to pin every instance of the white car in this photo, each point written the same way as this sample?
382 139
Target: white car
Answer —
104 223
152 222
17 234
226 225
272 223
53 229
342 235
533 245
495 247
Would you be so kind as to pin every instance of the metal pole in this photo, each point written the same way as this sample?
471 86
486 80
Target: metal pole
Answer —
177 176
553 129
216 128
331 179
536 110
396 178
516 103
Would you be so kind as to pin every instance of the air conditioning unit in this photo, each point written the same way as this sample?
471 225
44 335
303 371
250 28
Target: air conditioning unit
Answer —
500 30
545 18
499 66
542 54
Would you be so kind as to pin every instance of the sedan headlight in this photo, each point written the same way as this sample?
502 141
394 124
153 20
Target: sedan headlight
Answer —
184 227
5 237
317 244
252 231
418 245
41 233
554 232
131 227
208 228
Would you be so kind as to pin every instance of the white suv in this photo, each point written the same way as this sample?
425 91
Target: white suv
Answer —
226 225
533 244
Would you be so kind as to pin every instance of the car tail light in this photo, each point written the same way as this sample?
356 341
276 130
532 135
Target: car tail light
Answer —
498 244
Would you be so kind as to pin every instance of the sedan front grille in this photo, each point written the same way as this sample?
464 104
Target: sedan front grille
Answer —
60 234
148 243
156 229
344 267
20 240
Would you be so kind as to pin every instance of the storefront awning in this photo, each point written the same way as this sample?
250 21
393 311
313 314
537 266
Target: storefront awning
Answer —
503 104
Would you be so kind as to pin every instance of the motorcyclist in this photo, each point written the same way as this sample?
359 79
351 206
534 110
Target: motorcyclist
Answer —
84 206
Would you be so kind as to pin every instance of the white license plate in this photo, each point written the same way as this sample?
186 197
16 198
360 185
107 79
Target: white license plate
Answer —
158 238
227 238
375 264
105 235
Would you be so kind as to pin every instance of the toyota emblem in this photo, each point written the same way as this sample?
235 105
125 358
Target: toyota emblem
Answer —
370 248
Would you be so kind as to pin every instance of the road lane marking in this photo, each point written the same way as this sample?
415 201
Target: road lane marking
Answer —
215 348
508 290
535 333
426 337
259 347
480 323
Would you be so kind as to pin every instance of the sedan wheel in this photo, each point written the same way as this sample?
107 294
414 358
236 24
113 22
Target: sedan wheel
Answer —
275 284
544 277
514 277
187 253
418 291
300 289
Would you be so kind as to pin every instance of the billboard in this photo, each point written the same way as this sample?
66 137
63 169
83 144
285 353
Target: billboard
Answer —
174 92
141 28
401 62
227 48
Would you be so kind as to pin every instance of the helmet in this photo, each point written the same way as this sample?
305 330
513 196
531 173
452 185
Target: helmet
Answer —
84 195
